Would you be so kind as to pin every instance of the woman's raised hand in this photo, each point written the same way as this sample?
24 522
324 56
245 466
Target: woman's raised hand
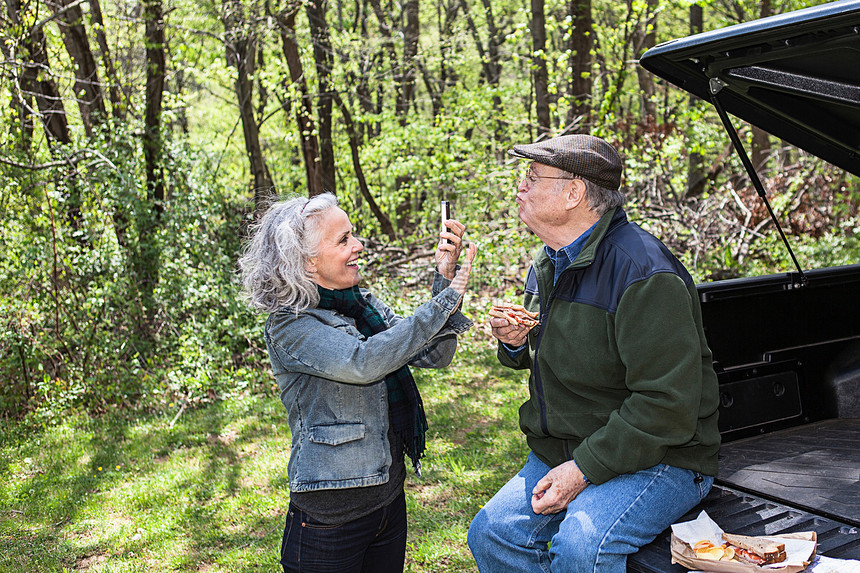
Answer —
448 251
462 277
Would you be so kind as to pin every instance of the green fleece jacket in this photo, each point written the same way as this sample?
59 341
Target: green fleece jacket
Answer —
621 374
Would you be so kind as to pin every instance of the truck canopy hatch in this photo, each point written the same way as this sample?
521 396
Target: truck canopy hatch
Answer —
795 75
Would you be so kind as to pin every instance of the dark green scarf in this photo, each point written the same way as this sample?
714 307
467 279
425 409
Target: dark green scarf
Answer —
405 409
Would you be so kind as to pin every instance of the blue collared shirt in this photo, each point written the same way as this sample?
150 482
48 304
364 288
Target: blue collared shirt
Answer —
561 259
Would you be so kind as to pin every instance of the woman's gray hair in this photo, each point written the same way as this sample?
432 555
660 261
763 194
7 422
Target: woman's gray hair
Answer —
601 199
274 261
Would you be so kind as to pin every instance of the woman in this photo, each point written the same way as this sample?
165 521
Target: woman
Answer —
340 357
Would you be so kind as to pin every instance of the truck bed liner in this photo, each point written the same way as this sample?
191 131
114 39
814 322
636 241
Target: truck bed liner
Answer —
814 470
814 467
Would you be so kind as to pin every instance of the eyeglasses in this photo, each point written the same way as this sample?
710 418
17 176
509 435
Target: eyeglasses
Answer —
532 177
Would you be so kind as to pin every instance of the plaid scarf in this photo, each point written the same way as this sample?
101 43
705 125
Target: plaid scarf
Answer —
405 409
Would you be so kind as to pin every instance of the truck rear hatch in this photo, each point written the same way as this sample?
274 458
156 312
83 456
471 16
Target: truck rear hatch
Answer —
795 75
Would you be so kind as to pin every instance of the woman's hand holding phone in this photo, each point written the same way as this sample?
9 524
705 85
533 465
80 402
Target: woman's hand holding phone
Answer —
450 243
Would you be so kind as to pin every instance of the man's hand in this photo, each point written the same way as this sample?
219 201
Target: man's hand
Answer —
447 253
557 488
514 335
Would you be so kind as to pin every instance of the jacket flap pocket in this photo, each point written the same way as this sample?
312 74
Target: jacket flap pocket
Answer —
336 434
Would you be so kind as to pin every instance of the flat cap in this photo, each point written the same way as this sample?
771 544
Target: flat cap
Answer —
584 155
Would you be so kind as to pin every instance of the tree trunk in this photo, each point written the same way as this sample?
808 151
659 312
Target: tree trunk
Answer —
581 45
324 62
241 50
410 50
368 63
35 81
304 111
434 89
760 138
33 55
644 38
118 104
696 179
491 65
145 254
448 73
436 86
155 72
262 90
384 221
87 85
387 45
541 78
368 60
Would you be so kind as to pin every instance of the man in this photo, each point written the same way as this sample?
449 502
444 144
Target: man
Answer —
622 412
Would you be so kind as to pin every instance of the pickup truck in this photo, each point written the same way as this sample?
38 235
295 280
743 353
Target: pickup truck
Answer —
786 347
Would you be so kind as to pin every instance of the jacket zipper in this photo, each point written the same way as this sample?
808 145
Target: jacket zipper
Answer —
544 312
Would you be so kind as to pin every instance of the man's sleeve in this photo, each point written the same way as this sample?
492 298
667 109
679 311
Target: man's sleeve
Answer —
518 359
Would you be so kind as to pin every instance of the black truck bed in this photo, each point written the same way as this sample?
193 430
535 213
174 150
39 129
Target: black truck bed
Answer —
815 467
814 472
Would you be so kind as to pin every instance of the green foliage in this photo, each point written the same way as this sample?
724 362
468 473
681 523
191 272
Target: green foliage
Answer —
78 331
109 300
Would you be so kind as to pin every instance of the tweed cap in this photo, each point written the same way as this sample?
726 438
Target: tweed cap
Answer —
587 156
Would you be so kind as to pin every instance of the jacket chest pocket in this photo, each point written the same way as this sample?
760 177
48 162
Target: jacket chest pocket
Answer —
336 434
339 455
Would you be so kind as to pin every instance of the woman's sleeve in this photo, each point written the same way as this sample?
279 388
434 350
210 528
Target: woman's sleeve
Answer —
309 346
440 350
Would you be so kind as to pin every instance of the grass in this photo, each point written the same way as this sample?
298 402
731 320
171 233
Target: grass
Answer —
208 493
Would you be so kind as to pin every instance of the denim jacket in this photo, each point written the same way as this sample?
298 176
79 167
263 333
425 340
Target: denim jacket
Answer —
331 382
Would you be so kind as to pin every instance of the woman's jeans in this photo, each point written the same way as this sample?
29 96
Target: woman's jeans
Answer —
603 525
374 543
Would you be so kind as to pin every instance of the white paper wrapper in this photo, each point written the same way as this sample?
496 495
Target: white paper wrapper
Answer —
703 527
824 564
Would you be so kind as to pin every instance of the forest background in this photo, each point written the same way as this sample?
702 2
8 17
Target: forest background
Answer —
141 139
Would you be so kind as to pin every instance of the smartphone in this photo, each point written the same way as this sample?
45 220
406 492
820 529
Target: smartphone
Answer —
446 214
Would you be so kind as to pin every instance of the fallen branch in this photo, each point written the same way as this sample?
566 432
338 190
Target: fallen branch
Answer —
70 160
179 413
412 257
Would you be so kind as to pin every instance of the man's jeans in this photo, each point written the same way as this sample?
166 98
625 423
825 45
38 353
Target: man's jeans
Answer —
372 544
598 530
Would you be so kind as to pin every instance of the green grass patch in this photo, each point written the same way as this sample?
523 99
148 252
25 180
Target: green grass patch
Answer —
209 492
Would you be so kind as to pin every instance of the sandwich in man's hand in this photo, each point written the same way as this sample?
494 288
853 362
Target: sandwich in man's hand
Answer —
515 314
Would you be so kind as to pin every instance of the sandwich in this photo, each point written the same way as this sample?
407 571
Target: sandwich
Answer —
741 548
755 549
515 314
